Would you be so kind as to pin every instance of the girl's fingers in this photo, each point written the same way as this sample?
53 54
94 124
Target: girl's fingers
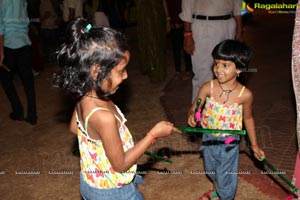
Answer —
176 130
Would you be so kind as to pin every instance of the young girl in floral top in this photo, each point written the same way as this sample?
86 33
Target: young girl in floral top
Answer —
227 105
93 64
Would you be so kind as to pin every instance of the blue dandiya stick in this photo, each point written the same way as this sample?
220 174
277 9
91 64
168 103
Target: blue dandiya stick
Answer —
156 157
211 131
275 171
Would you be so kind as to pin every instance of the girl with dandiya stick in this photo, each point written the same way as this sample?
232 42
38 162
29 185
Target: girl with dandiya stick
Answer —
227 105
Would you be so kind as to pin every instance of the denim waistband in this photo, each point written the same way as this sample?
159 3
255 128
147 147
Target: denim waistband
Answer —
218 142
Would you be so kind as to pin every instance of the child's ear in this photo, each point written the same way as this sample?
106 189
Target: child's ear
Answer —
95 70
238 72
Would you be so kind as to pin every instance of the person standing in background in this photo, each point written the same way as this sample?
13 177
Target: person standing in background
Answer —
152 38
206 23
96 12
50 20
72 9
15 54
174 26
296 81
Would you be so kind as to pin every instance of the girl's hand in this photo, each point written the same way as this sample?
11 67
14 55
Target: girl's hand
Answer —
258 153
191 120
163 129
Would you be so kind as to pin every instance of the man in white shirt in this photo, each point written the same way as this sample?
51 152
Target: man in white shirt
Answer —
207 23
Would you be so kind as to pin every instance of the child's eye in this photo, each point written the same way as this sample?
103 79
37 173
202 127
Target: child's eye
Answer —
123 70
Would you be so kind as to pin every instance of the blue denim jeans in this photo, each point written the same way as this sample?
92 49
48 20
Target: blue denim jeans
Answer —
221 163
127 192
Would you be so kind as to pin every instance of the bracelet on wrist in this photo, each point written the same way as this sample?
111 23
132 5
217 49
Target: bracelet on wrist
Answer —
153 137
254 145
188 34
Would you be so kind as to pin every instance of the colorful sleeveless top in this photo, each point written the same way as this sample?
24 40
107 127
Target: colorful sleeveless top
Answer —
95 166
222 116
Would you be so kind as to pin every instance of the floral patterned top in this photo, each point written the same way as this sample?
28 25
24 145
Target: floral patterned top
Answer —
95 166
222 116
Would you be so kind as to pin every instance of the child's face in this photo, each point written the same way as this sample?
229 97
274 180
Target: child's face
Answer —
225 70
117 75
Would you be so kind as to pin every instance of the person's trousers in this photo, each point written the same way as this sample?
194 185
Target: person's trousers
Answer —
177 47
207 34
221 163
126 192
19 61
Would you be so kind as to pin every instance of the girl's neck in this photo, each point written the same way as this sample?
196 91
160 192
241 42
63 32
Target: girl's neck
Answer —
227 91
92 94
229 84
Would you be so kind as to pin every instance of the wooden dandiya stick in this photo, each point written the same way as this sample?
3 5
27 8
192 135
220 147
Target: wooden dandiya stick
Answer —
210 131
156 157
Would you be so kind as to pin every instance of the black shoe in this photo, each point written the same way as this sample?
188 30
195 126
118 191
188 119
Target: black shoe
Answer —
31 121
13 116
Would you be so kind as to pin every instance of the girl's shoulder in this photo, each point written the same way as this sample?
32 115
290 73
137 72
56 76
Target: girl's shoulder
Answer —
98 112
247 95
204 90
207 86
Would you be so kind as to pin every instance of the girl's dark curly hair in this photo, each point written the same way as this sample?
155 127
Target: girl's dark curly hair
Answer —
84 48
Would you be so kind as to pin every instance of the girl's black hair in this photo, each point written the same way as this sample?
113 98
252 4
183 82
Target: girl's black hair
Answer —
234 51
84 48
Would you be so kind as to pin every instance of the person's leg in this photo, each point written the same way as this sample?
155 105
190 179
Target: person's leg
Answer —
176 48
188 66
37 54
209 162
227 171
25 72
43 39
207 34
187 61
8 84
210 165
201 58
53 44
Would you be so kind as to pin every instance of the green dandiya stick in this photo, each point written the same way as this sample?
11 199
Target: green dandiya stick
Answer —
280 175
154 156
211 131
197 104
275 171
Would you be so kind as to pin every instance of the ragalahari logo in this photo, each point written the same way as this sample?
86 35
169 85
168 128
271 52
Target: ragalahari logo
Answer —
246 8
271 8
